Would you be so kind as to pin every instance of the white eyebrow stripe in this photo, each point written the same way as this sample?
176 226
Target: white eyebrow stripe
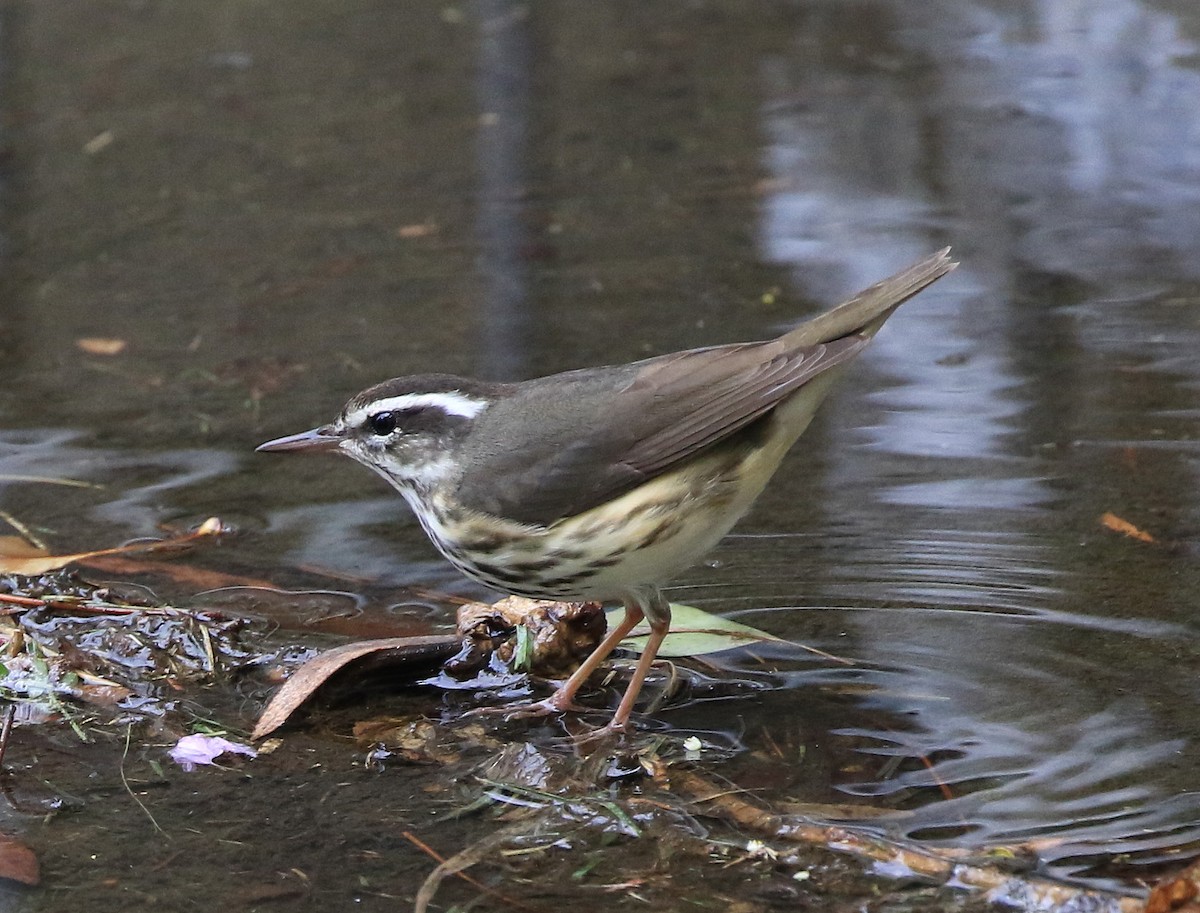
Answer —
451 403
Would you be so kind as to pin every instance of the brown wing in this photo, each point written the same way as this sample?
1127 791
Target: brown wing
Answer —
711 409
566 443
570 442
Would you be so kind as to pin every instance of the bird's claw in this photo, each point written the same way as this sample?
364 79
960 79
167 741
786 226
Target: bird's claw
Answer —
530 710
580 732
611 731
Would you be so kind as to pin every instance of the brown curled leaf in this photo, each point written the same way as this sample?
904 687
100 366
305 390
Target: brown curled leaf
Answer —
307 679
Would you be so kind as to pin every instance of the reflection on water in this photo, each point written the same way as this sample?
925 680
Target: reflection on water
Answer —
1065 134
332 538
1032 744
620 180
1062 137
1011 721
144 480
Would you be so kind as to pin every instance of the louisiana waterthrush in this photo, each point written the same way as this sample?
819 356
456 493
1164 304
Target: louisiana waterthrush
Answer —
604 483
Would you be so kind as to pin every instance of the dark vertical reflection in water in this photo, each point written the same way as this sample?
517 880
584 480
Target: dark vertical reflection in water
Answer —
502 87
8 311
5 142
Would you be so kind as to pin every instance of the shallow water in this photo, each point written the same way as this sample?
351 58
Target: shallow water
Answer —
276 206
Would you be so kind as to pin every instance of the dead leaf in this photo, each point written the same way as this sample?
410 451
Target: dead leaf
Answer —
1175 894
30 565
549 639
99 142
695 632
18 863
1118 525
18 547
416 741
317 671
102 695
101 345
256 896
416 230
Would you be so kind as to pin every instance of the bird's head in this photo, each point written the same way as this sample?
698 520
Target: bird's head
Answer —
406 429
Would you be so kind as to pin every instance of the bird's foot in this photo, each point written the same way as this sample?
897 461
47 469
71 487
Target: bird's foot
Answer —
612 731
582 734
530 710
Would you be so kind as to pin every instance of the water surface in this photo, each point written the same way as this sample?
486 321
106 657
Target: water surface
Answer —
279 205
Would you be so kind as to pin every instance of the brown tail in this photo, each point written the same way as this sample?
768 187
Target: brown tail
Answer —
866 311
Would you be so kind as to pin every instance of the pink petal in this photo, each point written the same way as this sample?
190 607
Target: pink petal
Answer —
205 749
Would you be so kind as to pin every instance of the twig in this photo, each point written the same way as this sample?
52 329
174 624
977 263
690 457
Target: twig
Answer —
946 791
129 789
441 860
27 602
943 864
454 866
47 480
209 654
6 730
771 743
22 530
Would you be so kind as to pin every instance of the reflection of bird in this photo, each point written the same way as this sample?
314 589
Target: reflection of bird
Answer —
603 483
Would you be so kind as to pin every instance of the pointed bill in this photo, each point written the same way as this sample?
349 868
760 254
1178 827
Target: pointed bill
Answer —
320 440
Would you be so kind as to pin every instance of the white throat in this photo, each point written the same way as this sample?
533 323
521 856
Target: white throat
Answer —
412 481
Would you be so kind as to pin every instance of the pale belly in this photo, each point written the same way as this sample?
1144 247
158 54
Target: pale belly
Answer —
638 541
641 539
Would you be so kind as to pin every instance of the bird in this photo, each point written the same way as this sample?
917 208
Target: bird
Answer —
604 483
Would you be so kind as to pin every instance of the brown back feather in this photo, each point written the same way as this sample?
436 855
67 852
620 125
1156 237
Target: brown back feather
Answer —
569 442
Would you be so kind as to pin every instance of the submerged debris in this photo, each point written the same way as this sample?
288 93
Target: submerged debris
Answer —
544 638
77 653
90 657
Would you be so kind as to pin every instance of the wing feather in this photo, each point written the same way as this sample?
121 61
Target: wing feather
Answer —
566 443
574 455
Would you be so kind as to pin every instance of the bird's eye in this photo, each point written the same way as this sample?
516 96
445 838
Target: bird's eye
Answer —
382 423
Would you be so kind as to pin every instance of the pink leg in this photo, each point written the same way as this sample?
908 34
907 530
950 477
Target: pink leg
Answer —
564 697
658 630
649 605
657 612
